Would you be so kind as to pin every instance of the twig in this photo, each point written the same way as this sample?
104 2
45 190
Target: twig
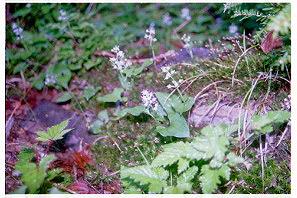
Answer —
10 120
146 161
181 26
207 87
118 147
238 60
114 173
262 164
92 187
99 138
157 58
247 96
283 135
64 188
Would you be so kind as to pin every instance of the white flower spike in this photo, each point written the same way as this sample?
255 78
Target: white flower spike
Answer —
18 31
185 14
150 34
149 99
167 19
119 62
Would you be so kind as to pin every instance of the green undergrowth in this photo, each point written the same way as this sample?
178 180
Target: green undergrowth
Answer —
277 179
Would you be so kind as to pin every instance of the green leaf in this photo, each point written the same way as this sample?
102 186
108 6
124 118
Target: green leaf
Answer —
182 165
64 97
53 133
174 152
51 174
90 64
178 127
155 178
125 82
263 123
135 111
26 154
233 159
62 73
75 66
131 190
174 103
103 118
39 82
96 127
113 97
32 176
45 161
20 67
135 71
187 176
180 189
20 190
89 92
213 143
184 183
210 178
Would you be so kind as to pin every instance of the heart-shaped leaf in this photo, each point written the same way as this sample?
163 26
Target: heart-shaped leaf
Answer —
89 92
178 127
64 97
113 97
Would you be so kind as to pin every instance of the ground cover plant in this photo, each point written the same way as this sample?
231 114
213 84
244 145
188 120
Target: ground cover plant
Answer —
148 98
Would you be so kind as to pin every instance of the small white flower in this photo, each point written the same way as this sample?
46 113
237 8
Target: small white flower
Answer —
28 5
150 34
167 19
226 6
18 31
63 15
185 14
50 79
119 62
149 99
187 40
286 104
165 69
115 49
170 86
233 29
168 72
175 84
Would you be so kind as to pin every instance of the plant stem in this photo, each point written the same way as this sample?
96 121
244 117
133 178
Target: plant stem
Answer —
146 161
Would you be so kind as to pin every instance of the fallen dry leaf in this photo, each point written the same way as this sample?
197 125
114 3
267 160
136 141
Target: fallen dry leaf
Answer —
271 42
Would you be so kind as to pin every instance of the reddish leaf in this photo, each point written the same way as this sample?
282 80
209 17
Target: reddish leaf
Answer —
74 159
81 187
271 42
81 158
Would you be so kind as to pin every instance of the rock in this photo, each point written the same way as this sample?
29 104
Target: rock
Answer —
47 114
203 115
183 56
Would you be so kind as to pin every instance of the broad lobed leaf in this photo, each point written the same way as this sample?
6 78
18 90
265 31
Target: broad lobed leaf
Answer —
210 178
55 132
146 175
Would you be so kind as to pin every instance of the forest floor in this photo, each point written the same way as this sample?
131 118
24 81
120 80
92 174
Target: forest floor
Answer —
220 94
